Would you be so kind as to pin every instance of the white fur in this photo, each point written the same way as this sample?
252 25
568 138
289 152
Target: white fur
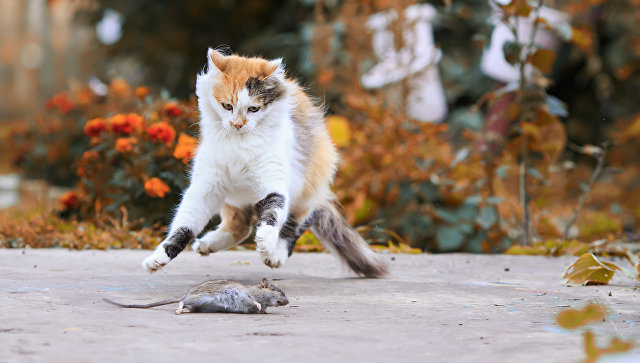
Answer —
238 167
213 241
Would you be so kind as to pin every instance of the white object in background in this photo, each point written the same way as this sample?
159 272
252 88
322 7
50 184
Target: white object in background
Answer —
493 62
109 28
9 190
417 61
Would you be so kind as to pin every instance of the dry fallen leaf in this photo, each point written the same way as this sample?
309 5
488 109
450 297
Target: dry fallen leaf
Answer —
573 319
589 270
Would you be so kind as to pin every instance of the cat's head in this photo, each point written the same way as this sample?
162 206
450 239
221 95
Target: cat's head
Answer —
241 91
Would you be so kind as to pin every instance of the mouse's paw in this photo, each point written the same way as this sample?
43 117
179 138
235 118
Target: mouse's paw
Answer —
182 309
156 260
279 255
259 306
266 239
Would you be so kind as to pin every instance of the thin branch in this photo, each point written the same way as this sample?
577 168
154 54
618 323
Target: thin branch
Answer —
600 157
524 198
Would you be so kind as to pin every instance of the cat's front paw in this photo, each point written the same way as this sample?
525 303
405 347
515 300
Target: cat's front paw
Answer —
156 260
279 255
266 240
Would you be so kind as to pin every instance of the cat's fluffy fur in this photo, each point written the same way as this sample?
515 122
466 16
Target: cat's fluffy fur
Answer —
264 154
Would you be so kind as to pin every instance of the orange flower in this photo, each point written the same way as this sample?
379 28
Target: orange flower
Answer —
185 148
162 131
120 88
156 188
124 144
126 124
90 155
68 201
61 102
172 109
141 92
95 127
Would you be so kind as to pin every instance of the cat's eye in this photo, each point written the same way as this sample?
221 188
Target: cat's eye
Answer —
253 109
227 106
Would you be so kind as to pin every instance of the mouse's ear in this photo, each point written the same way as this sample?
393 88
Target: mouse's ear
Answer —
265 282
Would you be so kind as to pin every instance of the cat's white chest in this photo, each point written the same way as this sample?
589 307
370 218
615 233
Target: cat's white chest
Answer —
236 168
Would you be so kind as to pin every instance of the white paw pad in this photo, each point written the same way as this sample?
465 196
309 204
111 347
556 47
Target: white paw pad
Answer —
156 260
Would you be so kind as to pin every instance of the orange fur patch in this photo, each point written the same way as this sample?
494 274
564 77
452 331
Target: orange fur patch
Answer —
236 221
236 71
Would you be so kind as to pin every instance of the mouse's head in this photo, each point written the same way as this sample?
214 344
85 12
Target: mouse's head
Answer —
272 294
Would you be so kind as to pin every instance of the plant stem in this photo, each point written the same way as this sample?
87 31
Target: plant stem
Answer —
583 198
524 198
523 192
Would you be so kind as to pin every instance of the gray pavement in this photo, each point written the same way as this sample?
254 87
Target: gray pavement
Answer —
431 308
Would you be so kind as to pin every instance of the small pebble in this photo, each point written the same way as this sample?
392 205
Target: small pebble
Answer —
507 269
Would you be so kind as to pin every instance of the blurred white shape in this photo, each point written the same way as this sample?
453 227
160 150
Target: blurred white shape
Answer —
417 61
109 28
493 62
32 55
98 87
9 190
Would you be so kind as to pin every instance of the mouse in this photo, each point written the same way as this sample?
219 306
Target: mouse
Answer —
222 296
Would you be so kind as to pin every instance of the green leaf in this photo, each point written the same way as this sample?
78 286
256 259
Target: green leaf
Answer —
474 199
487 217
534 173
466 212
449 238
501 171
495 200
465 228
446 215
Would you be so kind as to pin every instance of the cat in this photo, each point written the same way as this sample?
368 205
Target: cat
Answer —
264 155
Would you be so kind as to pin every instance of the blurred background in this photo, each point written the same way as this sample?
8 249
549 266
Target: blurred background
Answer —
463 125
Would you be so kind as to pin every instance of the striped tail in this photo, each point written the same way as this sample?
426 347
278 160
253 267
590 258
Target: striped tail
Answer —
342 240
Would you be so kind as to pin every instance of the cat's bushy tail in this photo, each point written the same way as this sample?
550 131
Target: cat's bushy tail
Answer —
342 240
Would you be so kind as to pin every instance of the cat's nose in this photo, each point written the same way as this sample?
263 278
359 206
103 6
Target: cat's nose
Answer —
238 126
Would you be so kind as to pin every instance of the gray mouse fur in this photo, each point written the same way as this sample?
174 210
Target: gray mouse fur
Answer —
222 296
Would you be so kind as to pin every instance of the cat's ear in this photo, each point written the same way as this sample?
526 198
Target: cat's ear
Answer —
275 68
265 282
216 61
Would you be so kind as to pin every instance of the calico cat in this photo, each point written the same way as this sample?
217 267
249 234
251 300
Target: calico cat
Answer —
264 154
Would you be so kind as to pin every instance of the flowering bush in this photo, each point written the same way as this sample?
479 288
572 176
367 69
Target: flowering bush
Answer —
45 146
133 164
119 149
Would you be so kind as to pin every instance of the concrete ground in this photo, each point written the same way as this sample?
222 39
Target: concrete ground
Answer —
431 308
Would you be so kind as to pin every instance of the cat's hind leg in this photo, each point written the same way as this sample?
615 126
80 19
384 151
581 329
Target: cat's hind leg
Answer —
234 228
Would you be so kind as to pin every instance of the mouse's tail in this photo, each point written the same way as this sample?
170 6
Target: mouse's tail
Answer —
341 239
143 306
